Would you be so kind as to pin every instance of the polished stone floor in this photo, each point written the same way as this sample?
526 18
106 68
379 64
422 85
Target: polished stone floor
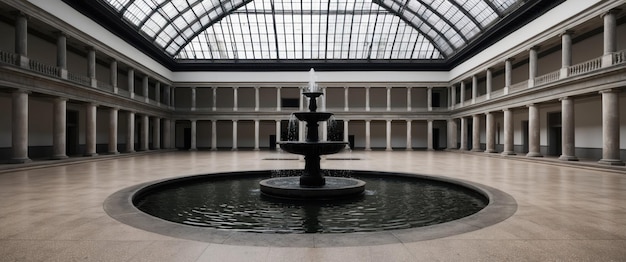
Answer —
564 213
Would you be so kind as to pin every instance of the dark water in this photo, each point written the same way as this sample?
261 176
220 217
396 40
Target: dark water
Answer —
390 202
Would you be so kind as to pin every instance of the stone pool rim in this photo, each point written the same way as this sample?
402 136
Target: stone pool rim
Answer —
120 206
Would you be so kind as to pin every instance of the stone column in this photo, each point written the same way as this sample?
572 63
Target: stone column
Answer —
278 131
145 83
256 99
113 130
533 131
429 98
62 54
21 39
388 98
474 88
367 98
167 133
194 129
278 100
508 74
156 133
91 65
462 93
610 36
452 96
113 75
408 99
145 129
90 129
213 135
256 135
59 125
568 146
463 134
489 83
345 99
476 133
566 53
235 98
131 82
19 127
193 98
491 133
452 134
346 135
409 135
429 133
214 89
610 128
234 135
388 135
508 133
532 65
130 133
367 136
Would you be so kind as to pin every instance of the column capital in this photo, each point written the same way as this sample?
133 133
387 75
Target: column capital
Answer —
388 87
235 87
611 12
565 98
567 32
429 120
114 108
20 14
510 59
346 87
60 98
409 120
61 34
506 109
193 120
611 90
534 48
256 87
279 87
90 48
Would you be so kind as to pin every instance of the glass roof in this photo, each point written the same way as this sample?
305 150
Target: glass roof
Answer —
311 29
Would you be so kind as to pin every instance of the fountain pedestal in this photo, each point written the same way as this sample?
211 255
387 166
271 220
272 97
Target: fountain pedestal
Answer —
312 183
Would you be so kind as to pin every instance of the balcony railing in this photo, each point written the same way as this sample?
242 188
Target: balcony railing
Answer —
105 86
619 57
547 78
79 79
43 68
585 67
497 93
8 58
518 87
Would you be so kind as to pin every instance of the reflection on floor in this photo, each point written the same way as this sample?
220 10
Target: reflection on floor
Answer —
569 213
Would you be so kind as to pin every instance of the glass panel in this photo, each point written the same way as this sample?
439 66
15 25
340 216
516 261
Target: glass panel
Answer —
312 29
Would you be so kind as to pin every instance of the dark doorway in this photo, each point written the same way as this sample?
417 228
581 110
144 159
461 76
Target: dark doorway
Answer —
436 138
71 133
187 138
525 136
272 142
554 134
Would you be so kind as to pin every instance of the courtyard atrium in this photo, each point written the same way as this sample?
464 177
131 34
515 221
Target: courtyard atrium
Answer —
521 101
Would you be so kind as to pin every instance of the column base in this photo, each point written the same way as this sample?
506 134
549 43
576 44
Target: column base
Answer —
491 151
534 154
213 149
58 157
368 149
476 150
130 151
234 149
568 158
256 149
193 149
508 153
20 160
430 149
388 149
408 149
113 153
90 154
611 162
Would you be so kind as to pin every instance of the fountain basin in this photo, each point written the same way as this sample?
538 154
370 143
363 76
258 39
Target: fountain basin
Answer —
312 148
313 117
289 187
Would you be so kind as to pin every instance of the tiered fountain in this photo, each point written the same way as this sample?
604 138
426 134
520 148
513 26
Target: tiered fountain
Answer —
312 183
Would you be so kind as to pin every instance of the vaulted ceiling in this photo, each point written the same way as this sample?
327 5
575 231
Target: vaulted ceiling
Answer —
283 34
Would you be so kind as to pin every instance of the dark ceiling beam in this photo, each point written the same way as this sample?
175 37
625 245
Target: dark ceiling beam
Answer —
468 15
495 9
